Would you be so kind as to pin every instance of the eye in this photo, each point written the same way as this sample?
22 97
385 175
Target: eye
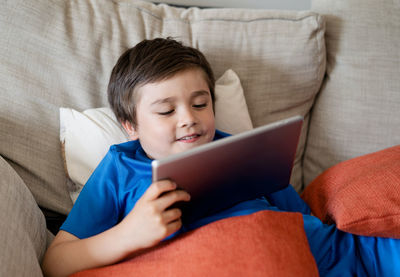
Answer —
200 106
166 113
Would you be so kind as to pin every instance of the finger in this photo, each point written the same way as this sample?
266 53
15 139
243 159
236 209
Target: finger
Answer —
171 215
173 227
158 188
172 197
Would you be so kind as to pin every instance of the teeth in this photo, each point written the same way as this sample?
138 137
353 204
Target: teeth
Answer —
188 138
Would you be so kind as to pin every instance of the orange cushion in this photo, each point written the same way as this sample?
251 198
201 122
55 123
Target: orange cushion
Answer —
265 243
361 195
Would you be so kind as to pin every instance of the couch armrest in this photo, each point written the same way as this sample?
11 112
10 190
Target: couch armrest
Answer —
23 233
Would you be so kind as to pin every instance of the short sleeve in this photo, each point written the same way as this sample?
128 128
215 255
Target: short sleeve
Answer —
96 208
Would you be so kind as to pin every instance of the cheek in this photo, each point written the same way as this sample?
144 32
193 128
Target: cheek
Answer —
211 118
211 125
210 122
162 130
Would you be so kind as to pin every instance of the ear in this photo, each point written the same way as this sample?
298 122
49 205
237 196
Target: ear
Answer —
133 135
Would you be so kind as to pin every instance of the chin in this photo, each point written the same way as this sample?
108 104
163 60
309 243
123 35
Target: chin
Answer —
189 146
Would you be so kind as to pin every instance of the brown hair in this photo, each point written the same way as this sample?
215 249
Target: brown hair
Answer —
151 61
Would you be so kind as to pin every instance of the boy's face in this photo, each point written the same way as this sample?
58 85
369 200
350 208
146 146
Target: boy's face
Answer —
173 115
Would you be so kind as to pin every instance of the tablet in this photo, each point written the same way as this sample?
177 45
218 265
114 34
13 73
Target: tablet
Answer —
222 173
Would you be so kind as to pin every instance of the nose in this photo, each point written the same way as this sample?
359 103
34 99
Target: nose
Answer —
187 118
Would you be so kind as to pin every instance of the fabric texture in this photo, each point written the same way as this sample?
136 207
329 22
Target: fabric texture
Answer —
357 111
86 136
60 54
231 112
360 195
23 236
260 244
339 253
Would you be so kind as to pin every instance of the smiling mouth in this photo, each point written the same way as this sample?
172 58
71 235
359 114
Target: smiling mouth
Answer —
189 138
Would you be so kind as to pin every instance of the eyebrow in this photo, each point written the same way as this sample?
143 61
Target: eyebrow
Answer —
162 101
171 99
199 93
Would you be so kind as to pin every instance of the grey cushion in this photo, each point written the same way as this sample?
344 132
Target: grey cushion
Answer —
358 109
23 235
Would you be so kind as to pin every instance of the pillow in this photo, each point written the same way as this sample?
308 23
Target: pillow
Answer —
87 136
357 110
361 195
23 236
231 112
266 243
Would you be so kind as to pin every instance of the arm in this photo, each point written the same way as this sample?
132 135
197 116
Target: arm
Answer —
288 200
147 224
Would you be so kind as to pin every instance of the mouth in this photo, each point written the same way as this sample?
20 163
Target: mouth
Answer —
189 138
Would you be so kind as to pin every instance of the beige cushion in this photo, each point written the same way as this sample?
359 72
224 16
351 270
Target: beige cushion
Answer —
86 136
23 235
231 112
358 109
60 54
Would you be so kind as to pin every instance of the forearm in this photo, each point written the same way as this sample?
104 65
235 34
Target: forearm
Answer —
67 257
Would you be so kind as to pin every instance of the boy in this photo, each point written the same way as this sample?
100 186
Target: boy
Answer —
162 93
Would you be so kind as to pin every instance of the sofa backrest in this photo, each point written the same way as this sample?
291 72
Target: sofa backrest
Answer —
358 109
60 54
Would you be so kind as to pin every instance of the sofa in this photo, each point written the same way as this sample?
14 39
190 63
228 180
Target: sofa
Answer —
337 65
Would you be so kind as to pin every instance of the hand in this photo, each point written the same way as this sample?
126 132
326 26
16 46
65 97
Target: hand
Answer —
151 221
148 223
